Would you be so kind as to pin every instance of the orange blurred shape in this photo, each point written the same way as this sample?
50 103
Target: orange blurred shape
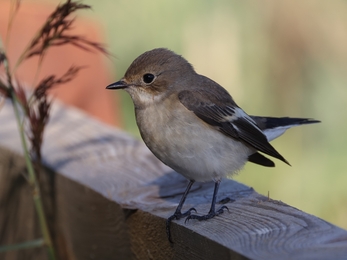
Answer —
87 90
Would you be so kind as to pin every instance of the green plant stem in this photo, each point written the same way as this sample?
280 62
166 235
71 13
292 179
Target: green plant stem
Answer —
33 181
29 244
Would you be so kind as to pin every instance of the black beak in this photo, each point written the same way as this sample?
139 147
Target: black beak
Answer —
117 85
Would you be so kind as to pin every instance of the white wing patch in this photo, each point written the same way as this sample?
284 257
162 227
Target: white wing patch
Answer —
237 113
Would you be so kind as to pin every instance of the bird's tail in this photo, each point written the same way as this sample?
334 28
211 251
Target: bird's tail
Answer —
273 127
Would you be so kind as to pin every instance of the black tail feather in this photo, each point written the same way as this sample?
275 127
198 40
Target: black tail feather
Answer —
273 122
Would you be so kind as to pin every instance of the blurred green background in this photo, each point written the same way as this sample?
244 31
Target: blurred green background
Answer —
278 58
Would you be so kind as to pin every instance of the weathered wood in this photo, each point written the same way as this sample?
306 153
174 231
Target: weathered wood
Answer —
18 221
113 196
90 226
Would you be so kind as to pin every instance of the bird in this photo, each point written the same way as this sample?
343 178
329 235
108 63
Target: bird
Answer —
193 125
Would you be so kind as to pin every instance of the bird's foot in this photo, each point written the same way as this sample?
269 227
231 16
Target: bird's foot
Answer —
177 215
210 215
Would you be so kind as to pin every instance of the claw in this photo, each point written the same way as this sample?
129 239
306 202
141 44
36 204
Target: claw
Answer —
168 232
177 215
221 210
210 215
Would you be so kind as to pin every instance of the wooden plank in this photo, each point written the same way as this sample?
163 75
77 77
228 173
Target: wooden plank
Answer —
18 222
83 223
89 225
105 160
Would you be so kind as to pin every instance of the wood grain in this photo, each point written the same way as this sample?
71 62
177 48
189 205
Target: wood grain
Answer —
138 193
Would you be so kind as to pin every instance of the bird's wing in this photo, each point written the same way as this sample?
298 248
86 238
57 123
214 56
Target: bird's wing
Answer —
223 114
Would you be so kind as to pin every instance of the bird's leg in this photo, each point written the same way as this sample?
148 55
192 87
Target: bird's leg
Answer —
178 214
212 213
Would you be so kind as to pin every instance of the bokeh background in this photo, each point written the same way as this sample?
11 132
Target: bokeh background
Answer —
278 58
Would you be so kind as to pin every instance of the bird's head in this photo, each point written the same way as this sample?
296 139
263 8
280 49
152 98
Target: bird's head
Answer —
153 75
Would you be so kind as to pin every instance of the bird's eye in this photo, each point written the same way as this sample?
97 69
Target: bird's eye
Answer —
148 78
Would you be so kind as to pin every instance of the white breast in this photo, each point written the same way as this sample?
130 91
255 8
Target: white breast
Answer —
188 145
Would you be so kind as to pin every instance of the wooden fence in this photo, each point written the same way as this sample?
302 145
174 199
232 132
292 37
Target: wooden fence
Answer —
107 197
